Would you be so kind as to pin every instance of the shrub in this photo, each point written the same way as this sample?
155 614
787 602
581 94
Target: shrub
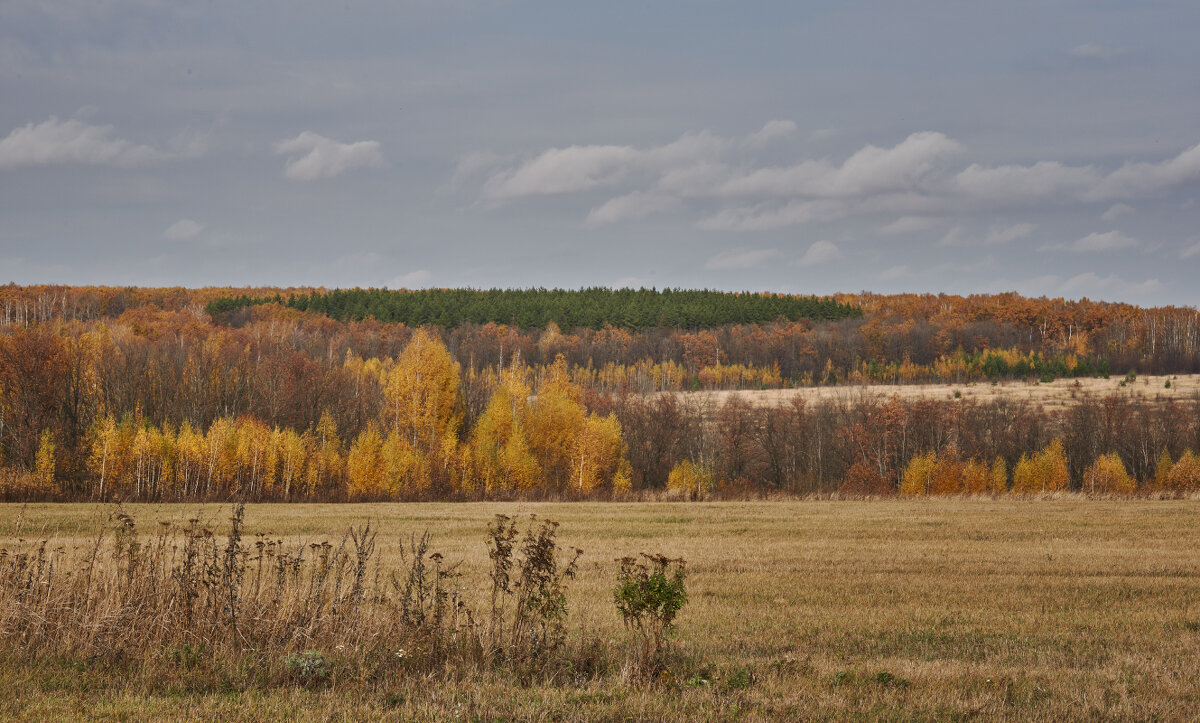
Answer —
650 592
537 597
864 480
307 667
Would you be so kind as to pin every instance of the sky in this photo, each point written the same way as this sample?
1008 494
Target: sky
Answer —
1048 148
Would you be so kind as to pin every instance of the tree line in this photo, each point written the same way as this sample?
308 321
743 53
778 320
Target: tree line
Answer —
100 412
591 308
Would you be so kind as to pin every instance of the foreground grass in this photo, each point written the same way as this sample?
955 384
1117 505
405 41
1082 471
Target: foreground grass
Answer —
1002 609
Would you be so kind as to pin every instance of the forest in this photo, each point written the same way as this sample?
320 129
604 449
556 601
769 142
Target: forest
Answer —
179 394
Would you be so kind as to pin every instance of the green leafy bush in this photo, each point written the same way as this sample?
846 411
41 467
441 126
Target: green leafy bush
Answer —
650 592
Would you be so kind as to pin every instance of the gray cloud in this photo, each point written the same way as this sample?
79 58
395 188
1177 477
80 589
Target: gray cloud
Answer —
1093 242
741 259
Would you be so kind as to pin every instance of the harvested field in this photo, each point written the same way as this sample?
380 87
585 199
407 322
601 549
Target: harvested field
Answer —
1045 609
1057 394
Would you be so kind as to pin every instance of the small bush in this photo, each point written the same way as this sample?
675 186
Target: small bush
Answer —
650 592
308 667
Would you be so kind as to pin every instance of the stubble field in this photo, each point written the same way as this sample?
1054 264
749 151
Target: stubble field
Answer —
1046 609
1057 394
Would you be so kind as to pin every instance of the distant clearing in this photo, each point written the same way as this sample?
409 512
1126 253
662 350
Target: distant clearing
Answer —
1058 394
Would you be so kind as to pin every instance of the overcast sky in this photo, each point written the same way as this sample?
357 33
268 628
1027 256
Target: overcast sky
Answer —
1051 148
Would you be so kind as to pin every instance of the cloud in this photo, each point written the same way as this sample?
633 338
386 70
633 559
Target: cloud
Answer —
1110 241
996 234
1090 283
740 259
895 272
723 180
1095 51
1005 234
412 280
55 142
1115 211
763 217
771 131
182 230
315 156
819 253
870 170
910 224
1190 251
630 207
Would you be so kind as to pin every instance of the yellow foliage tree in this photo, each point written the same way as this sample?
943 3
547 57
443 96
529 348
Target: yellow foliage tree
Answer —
1185 474
364 464
500 457
43 469
692 479
918 475
1046 471
1107 475
1162 471
947 474
999 476
976 478
423 394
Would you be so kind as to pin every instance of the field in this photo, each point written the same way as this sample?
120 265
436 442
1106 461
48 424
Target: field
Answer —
942 609
1058 394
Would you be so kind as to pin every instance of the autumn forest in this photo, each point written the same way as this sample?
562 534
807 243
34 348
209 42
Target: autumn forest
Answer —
308 394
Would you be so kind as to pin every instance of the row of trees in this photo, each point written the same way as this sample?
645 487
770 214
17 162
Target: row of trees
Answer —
897 338
548 445
592 308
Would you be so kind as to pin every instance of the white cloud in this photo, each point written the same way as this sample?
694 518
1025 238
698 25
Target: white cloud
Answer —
315 156
740 259
1116 211
1011 185
819 253
412 280
871 170
1110 241
630 207
182 230
1190 251
895 272
913 182
55 142
910 224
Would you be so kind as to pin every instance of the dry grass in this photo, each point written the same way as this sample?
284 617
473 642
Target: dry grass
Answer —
1058 394
1053 609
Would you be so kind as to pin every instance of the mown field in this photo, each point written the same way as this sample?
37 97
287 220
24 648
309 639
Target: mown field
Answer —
1046 609
1053 395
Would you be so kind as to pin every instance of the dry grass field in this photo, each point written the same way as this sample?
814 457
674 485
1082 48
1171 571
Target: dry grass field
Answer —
1048 609
1057 394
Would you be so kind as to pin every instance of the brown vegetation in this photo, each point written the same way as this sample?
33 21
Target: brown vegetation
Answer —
1067 609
